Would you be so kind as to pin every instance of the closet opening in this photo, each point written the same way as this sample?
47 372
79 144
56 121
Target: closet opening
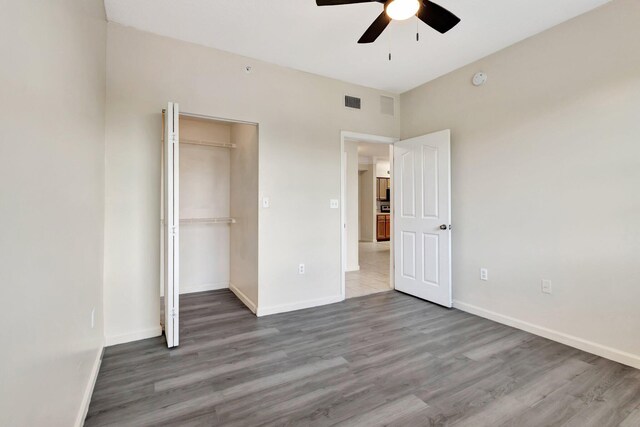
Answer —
210 221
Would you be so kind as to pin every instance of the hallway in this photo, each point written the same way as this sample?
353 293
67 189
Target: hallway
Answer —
373 276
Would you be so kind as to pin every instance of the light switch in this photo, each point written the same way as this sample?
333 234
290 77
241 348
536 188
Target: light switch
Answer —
334 203
266 203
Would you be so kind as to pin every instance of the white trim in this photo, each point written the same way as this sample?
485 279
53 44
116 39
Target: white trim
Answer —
244 298
88 392
214 118
570 340
134 336
343 219
355 136
353 268
365 137
203 287
265 311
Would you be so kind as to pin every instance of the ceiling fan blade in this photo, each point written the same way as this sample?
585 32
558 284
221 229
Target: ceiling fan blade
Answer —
341 2
437 17
374 31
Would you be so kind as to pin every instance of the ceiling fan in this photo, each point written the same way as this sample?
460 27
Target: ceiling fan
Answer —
437 17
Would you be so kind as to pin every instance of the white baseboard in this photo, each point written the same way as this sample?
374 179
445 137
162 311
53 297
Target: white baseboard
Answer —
88 392
203 287
134 336
570 340
265 311
251 305
353 268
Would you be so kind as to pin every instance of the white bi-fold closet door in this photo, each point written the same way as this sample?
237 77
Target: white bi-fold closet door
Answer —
422 220
171 227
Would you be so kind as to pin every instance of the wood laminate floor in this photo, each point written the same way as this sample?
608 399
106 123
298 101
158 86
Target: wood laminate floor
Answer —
382 359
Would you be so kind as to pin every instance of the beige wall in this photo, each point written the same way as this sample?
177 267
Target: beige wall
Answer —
383 169
205 192
367 203
300 117
52 207
352 208
244 208
546 167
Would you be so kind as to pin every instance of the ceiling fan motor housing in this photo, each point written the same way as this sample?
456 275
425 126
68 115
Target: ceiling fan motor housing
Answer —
435 16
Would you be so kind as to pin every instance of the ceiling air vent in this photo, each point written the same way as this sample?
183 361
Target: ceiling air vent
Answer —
387 105
352 102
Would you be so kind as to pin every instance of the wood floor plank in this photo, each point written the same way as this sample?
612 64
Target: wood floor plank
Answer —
387 413
381 359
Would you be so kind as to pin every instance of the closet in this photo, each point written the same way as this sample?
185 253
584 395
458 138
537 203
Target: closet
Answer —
209 211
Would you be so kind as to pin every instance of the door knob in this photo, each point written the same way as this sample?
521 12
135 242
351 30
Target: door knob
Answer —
443 227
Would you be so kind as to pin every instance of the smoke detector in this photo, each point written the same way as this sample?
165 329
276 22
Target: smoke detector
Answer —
479 79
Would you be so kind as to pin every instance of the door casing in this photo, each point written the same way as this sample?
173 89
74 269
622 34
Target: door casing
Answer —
363 137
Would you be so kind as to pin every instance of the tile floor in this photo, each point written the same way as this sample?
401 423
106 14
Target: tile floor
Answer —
373 276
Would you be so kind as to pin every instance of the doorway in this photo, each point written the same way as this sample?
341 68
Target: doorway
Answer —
367 189
419 225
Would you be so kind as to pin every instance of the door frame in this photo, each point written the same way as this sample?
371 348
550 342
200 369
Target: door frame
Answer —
360 137
162 198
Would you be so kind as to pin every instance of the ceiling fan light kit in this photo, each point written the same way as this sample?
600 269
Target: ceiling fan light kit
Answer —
435 16
400 10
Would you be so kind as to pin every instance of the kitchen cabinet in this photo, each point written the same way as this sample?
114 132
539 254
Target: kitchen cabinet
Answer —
382 185
383 227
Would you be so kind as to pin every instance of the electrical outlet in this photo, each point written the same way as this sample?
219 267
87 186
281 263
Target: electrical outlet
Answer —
546 286
484 274
93 318
334 203
301 269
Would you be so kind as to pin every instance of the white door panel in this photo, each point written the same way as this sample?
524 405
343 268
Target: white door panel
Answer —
408 254
422 203
407 185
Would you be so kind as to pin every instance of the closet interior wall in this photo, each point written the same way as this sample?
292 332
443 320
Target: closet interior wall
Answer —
205 195
244 209
219 207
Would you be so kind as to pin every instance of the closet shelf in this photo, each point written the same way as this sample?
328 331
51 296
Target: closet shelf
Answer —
207 143
208 221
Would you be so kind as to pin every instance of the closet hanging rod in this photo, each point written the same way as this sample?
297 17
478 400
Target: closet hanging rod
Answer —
208 221
207 143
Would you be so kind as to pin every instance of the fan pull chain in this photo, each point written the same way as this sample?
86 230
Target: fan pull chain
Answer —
417 29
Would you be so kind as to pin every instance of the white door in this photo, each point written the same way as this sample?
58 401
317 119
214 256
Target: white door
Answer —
172 221
422 206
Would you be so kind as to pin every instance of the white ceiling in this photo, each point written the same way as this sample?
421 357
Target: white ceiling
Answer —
368 149
323 40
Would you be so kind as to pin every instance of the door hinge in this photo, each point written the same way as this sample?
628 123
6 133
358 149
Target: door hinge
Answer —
172 137
173 230
173 313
